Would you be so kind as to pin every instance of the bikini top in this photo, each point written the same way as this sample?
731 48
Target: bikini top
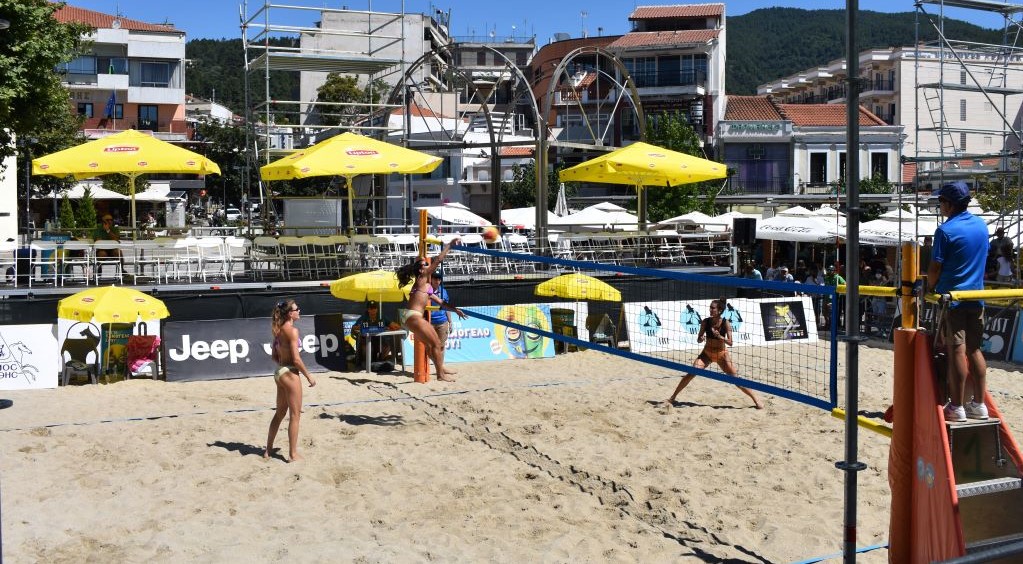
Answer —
721 328
429 290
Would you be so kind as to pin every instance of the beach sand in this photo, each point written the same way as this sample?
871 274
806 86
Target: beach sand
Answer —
554 460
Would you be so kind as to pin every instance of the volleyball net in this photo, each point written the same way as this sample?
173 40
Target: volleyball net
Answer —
783 333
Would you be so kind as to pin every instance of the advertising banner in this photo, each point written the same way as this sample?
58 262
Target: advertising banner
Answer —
672 326
999 329
80 340
240 348
28 357
475 340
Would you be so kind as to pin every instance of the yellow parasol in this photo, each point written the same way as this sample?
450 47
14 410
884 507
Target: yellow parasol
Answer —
379 285
111 304
642 164
129 153
349 155
578 287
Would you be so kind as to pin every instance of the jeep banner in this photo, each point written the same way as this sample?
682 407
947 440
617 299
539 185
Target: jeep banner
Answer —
240 348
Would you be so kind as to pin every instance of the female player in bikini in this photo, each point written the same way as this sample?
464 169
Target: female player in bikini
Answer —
414 316
289 384
716 334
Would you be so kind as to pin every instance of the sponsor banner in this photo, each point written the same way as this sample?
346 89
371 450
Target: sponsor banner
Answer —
671 326
28 357
999 329
240 348
475 340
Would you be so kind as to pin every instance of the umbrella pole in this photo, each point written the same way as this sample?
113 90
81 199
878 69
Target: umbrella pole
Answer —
131 187
351 203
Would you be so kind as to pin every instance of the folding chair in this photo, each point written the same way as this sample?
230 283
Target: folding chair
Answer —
143 355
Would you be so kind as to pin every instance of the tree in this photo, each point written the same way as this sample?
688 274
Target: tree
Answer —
877 184
521 191
85 215
122 184
32 99
344 89
672 131
224 144
67 213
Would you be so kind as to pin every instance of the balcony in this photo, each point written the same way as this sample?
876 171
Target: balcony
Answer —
759 185
169 130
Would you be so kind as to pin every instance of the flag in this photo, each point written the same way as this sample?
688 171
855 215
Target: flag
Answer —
108 112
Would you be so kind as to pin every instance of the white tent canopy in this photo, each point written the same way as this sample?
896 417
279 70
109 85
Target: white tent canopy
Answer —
797 211
97 192
697 218
523 218
728 218
155 193
455 213
595 219
801 229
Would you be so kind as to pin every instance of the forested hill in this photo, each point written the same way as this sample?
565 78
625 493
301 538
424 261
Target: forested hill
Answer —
763 45
772 43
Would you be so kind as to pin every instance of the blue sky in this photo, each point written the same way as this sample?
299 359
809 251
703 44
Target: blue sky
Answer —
220 18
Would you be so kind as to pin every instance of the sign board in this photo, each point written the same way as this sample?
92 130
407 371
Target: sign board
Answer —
475 340
28 357
241 348
670 326
313 216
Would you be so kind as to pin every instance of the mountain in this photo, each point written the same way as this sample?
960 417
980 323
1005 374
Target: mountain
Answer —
216 71
771 43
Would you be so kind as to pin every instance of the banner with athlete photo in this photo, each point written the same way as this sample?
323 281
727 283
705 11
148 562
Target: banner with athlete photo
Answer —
474 340
28 357
671 326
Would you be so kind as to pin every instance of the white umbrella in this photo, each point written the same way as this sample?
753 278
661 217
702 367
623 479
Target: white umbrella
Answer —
96 191
801 229
153 194
455 213
592 218
608 207
697 218
561 204
728 218
797 211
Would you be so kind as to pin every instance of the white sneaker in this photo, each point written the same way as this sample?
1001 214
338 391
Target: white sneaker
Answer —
955 413
976 410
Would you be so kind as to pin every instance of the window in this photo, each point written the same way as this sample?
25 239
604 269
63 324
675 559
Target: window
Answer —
112 65
879 165
755 151
521 58
81 65
155 74
668 68
962 110
841 167
148 115
481 58
85 109
818 168
987 140
118 111
962 77
962 141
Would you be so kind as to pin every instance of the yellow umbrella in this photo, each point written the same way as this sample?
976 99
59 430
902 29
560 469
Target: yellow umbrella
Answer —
379 285
349 155
578 287
129 153
642 164
111 304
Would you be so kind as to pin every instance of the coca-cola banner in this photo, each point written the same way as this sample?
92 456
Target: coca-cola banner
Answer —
240 348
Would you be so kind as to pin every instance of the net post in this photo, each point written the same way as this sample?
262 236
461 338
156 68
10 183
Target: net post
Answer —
421 366
910 273
900 453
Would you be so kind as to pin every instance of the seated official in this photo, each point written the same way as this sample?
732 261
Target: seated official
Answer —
369 323
107 231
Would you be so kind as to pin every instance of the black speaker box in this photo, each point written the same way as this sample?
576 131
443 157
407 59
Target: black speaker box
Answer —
744 231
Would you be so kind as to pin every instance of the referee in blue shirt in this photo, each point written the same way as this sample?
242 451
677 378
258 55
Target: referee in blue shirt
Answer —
958 260
441 318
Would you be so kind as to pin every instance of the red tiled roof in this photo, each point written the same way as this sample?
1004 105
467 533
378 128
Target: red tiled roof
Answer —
751 108
517 151
824 115
680 37
908 173
99 20
417 111
677 11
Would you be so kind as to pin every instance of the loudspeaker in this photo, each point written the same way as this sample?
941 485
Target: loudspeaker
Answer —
744 231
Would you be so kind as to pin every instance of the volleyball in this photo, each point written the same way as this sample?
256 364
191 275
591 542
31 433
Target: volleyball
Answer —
491 234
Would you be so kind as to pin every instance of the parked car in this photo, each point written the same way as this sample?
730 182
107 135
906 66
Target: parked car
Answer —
233 214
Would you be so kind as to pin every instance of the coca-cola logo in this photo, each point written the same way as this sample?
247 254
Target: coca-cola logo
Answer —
361 152
121 149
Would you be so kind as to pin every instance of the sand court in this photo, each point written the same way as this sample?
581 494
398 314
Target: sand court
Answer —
563 459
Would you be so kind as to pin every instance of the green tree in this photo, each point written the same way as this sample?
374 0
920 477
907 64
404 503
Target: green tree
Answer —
672 131
877 184
344 89
224 144
85 215
521 191
67 213
32 99
122 184
993 196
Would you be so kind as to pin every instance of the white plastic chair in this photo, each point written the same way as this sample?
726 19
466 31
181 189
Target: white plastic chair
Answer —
76 262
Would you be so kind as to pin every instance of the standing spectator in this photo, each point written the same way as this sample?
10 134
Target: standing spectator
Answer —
1005 265
1000 243
925 254
784 276
958 264
832 278
441 318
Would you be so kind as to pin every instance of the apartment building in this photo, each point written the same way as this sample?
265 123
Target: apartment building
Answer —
133 76
777 148
957 107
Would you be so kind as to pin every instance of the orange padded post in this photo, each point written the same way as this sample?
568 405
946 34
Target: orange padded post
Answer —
900 452
421 366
